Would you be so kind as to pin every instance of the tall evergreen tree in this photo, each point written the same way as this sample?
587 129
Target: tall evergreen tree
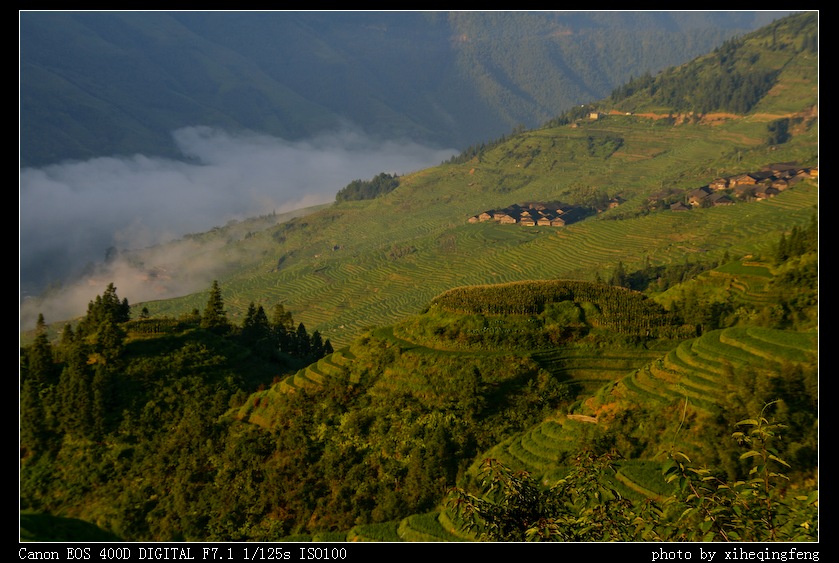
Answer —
257 333
33 424
303 342
109 341
40 362
282 323
105 308
75 409
215 317
101 400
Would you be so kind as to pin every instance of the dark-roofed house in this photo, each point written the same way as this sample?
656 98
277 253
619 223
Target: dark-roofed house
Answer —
719 198
782 167
697 196
744 191
765 192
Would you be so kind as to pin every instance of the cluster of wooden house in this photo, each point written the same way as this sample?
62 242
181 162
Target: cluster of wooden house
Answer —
533 214
751 186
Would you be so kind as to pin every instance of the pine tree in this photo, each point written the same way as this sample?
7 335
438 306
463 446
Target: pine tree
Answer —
101 391
257 332
215 317
316 347
34 433
105 308
109 341
282 324
40 362
619 276
75 410
303 342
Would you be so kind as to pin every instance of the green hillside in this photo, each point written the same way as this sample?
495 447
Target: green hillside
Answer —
364 264
357 264
584 360
412 405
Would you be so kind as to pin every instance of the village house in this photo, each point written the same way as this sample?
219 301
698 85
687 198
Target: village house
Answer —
743 191
780 184
719 184
697 196
615 202
531 214
743 180
782 168
804 174
765 192
719 198
767 183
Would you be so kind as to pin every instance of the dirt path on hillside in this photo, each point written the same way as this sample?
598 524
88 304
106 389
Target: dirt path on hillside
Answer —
583 418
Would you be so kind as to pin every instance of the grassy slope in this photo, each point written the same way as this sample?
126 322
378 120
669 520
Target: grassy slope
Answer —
371 263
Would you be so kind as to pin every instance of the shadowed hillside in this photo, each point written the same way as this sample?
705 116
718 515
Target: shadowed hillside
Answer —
117 83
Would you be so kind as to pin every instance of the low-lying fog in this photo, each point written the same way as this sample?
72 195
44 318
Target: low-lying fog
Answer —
72 213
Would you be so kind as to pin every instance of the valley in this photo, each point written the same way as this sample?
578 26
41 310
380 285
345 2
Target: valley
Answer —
642 374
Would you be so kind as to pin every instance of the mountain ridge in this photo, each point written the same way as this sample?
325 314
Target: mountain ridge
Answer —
279 72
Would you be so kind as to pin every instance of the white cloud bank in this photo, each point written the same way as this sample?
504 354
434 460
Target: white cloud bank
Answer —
71 213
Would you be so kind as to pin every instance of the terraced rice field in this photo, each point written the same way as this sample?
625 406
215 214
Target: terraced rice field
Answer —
364 282
427 527
700 369
697 370
500 253
589 368
540 449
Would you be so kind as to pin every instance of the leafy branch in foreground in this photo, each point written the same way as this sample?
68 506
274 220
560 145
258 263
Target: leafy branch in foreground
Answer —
753 509
583 506
580 507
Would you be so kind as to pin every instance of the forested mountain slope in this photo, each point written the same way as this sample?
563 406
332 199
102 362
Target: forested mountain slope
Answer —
172 431
118 83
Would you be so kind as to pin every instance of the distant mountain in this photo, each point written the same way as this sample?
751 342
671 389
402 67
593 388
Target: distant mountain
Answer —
118 83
